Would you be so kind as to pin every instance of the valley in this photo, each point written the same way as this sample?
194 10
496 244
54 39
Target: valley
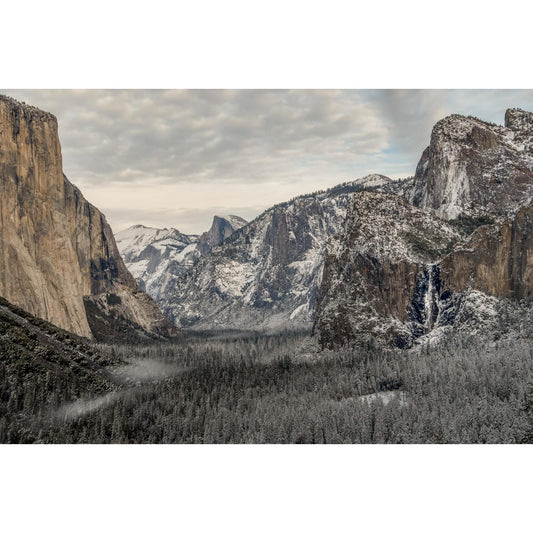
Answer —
278 389
378 310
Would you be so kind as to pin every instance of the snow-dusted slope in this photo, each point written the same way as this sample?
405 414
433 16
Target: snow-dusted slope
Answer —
156 256
236 222
134 241
266 275
152 255
373 180
423 276
380 278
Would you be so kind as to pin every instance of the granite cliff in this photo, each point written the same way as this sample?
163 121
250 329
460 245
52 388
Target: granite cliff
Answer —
59 257
220 230
379 272
476 169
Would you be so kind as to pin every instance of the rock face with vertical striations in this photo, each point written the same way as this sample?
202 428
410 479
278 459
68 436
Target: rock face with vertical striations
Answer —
496 259
59 257
476 169
220 230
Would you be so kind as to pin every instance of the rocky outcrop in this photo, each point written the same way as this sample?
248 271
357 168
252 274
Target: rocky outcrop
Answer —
380 275
57 250
220 230
476 169
102 269
496 260
520 121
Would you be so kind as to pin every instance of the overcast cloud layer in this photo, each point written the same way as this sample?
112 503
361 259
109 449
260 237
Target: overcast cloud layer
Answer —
177 157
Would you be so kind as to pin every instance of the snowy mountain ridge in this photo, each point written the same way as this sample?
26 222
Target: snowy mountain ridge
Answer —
154 255
373 180
389 259
244 275
266 275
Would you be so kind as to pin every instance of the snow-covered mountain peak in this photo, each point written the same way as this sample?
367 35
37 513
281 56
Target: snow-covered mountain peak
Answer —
221 228
411 233
518 119
236 221
458 127
373 180
156 256
476 169
132 241
147 252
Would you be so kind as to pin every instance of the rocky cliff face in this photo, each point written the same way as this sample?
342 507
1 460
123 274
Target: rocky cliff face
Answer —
220 230
379 273
60 260
496 260
398 272
472 168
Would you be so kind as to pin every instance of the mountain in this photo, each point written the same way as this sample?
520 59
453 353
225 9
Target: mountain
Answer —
476 169
453 258
265 275
156 257
153 255
374 180
379 284
220 230
59 257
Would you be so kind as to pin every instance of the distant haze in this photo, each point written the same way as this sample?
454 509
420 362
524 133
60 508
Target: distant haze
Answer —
177 157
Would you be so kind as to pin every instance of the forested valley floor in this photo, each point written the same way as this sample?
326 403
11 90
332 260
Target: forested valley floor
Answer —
279 389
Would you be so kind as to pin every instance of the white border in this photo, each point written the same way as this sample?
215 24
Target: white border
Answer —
276 44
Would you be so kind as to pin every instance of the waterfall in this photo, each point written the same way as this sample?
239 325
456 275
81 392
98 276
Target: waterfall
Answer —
431 299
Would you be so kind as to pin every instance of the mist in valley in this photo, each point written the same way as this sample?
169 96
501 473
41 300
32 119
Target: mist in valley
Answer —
281 389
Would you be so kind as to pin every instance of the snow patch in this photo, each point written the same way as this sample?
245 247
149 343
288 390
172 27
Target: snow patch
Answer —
385 397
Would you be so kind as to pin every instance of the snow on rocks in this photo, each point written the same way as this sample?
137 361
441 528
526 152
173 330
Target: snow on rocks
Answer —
267 274
473 168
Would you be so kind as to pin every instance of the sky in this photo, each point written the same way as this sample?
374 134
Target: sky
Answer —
175 158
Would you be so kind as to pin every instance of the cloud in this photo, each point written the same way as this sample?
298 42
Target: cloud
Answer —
186 136
291 141
410 114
